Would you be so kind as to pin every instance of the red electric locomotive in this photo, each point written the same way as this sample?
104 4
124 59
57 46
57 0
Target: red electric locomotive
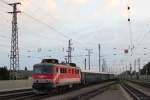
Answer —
50 75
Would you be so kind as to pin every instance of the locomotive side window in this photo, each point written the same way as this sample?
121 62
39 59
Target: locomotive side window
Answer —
63 70
69 70
77 71
57 70
72 71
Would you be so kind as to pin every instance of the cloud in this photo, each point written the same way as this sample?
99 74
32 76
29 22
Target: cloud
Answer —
125 13
73 14
26 5
77 2
52 4
112 3
109 6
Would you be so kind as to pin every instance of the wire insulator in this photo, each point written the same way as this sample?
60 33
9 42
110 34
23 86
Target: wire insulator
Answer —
129 19
128 8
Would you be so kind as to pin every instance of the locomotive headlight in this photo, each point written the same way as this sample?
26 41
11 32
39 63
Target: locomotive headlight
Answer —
35 81
48 81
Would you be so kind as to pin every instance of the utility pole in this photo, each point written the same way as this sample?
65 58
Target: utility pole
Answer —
146 73
14 53
130 70
69 52
103 65
85 64
135 68
89 57
99 48
139 61
126 72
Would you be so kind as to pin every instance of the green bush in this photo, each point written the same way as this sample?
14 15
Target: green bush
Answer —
4 73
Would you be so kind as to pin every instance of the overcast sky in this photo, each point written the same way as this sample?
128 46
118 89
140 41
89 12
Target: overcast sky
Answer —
49 24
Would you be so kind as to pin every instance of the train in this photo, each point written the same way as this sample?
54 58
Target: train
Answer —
51 75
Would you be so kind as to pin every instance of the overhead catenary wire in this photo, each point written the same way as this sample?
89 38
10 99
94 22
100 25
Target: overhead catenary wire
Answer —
86 29
4 36
30 16
41 22
140 38
3 1
145 35
50 27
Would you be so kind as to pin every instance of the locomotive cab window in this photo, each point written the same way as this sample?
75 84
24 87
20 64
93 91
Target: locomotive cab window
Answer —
43 69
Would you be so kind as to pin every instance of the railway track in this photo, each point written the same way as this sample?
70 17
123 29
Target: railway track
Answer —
88 95
145 84
28 94
10 95
22 94
134 93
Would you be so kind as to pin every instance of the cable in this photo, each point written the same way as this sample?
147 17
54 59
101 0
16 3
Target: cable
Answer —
39 21
3 36
85 29
4 2
146 34
50 27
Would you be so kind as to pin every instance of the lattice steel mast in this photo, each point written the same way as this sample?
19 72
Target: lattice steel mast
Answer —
14 53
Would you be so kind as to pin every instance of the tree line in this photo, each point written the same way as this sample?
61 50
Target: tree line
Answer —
145 69
4 73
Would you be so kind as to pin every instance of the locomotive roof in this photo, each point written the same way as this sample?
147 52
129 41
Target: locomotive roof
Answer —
50 61
65 65
60 65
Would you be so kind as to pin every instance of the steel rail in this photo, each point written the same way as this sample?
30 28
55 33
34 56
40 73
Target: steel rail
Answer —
90 94
145 84
28 94
7 95
134 93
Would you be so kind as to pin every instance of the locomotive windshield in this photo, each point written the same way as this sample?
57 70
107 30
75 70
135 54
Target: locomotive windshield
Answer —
43 69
